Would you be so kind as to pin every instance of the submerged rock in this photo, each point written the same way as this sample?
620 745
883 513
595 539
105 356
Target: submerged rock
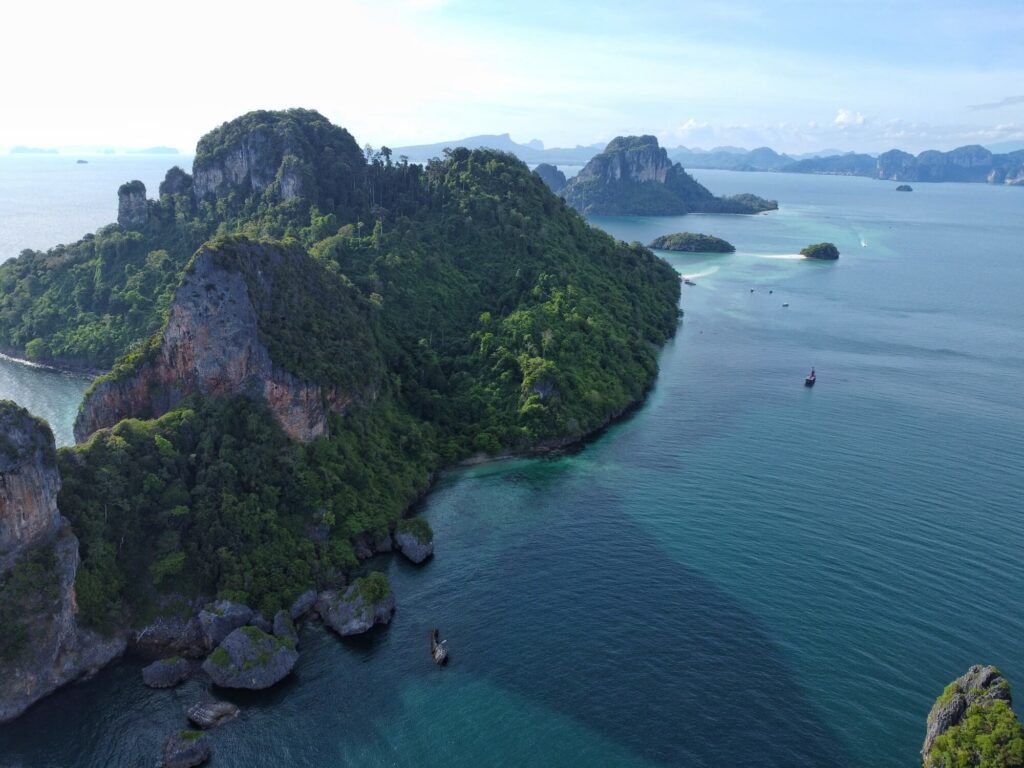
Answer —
210 714
185 749
166 673
367 602
250 658
217 620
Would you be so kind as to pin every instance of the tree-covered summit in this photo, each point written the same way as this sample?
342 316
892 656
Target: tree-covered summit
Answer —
488 315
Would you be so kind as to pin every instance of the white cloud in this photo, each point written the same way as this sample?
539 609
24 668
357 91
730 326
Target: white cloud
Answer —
845 117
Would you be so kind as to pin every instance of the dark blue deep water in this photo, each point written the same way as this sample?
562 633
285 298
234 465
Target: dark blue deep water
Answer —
745 573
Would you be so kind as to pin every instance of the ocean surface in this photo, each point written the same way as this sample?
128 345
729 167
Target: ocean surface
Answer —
746 572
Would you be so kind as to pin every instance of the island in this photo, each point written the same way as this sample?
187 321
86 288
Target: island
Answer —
904 188
297 336
691 242
821 251
633 176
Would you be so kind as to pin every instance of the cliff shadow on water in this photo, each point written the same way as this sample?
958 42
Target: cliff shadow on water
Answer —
597 621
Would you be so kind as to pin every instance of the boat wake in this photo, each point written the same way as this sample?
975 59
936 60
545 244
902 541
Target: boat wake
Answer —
695 275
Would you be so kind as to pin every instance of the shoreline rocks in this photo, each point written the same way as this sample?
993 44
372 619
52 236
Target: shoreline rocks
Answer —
211 714
414 539
185 749
166 673
250 658
219 619
368 602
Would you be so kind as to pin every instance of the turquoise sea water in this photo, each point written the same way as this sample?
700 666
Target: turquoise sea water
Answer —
744 573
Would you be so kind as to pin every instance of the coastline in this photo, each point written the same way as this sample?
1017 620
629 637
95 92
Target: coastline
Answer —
124 641
66 369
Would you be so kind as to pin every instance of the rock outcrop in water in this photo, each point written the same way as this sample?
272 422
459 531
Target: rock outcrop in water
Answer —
252 659
132 210
634 176
973 720
41 647
368 601
215 343
166 673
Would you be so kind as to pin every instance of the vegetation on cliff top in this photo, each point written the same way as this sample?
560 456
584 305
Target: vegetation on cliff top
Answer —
497 317
989 736
691 242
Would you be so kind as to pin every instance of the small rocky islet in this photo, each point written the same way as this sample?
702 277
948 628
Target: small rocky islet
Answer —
691 242
820 252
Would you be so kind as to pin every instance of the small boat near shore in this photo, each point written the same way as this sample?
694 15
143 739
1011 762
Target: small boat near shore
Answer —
811 378
688 281
438 651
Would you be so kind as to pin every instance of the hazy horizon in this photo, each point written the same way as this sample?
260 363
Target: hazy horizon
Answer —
794 76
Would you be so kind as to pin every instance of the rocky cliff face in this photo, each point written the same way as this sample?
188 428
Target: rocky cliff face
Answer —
279 156
132 212
41 648
634 176
551 176
29 483
213 344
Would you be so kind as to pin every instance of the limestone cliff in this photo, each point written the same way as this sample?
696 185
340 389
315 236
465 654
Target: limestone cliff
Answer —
243 322
279 156
29 483
551 176
41 648
634 176
132 212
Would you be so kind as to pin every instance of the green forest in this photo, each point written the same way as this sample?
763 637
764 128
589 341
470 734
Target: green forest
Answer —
477 311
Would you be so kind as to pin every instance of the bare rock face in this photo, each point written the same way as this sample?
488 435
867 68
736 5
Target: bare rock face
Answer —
279 156
221 618
415 550
29 483
210 714
979 684
212 345
132 212
42 647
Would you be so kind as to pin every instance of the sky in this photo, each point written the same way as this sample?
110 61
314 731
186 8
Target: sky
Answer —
796 76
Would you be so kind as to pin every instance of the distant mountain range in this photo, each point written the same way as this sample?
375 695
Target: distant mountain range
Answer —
972 163
532 152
